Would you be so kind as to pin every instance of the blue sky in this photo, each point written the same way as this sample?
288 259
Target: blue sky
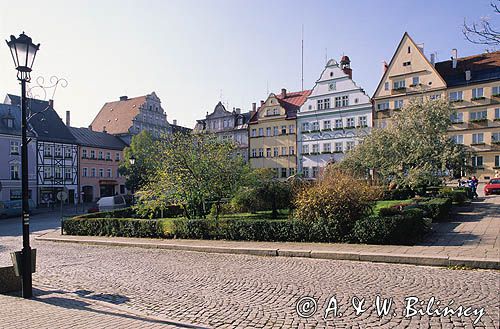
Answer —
190 52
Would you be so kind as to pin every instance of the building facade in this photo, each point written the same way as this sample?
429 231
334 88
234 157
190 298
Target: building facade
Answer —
99 155
227 125
334 118
10 162
129 116
57 152
471 84
273 133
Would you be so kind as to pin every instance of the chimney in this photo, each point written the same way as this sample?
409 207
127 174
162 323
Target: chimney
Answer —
123 98
384 66
104 129
261 102
254 107
454 54
283 93
433 59
90 127
174 122
67 119
51 103
237 110
467 75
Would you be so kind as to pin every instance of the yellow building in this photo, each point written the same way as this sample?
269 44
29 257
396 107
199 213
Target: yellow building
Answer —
471 84
273 133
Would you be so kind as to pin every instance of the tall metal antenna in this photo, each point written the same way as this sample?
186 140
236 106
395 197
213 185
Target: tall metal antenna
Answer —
302 76
267 88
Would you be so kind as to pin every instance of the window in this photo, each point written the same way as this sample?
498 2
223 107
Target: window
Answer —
85 172
14 171
254 132
47 172
477 161
101 172
16 195
261 152
386 86
305 126
315 126
93 171
305 172
67 152
383 106
283 172
415 81
268 131
407 63
495 137
268 152
398 104
291 129
327 148
275 152
67 173
338 147
327 125
226 123
363 121
409 49
291 150
92 154
435 96
495 91
399 84
117 156
84 153
456 96
254 153
291 171
345 100
477 93
478 138
349 145
497 114
305 149
101 155
108 156
458 139
110 172
283 150
10 123
261 132
350 122
326 103
497 160
338 123
338 101
315 171
276 130
457 117
58 151
283 130
58 172
319 104
478 116
14 147
315 148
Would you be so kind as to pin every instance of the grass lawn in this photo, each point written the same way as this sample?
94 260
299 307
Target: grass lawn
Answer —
388 203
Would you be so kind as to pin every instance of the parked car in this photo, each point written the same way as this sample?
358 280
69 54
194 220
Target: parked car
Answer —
111 203
14 208
493 187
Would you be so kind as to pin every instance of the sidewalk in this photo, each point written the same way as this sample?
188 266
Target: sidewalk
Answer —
471 239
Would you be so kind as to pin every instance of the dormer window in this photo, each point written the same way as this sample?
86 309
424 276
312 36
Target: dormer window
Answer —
9 122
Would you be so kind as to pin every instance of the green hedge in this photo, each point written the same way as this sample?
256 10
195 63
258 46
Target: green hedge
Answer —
458 196
124 227
405 228
398 194
437 209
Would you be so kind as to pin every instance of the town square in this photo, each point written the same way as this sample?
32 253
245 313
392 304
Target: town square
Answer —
266 164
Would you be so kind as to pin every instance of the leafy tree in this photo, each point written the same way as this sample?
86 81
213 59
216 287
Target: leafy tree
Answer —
413 151
144 149
193 171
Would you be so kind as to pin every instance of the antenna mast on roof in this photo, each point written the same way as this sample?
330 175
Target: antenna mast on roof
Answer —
302 58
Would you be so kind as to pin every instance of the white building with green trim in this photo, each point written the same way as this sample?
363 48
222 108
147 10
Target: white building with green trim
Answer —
333 120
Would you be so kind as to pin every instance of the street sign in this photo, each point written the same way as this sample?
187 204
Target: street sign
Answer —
62 196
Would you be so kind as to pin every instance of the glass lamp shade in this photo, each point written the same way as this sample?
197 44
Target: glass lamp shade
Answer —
132 160
23 52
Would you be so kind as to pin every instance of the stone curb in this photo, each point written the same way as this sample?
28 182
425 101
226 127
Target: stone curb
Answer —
412 259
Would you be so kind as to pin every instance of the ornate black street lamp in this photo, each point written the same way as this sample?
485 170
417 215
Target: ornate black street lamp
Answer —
23 52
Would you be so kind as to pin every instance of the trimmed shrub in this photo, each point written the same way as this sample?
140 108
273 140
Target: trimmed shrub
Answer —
437 209
405 228
117 213
123 227
458 196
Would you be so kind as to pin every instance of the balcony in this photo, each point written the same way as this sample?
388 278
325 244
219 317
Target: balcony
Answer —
400 90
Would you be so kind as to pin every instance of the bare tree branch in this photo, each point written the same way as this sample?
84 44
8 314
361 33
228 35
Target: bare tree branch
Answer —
483 33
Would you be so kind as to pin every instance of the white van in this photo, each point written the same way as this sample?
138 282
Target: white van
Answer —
111 203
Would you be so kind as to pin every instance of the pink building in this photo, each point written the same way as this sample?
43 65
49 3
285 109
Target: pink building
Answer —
100 155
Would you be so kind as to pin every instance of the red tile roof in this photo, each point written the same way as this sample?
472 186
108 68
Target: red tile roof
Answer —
116 117
291 102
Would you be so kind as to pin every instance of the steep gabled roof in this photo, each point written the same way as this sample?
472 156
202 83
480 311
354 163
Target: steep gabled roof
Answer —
291 103
46 123
87 137
116 117
483 67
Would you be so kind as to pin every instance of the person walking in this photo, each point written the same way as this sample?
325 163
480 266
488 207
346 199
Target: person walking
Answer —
475 183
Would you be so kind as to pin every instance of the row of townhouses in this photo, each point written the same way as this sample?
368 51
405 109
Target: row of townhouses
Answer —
83 162
301 132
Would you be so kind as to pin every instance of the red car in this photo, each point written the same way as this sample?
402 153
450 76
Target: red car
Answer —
493 187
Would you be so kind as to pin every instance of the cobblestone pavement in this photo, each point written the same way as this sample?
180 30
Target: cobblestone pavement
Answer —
241 291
